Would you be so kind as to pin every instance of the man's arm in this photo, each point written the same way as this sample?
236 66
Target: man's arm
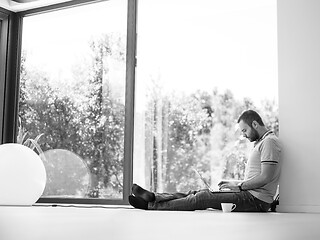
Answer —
267 172
266 175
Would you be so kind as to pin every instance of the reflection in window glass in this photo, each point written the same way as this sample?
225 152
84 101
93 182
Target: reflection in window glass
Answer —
200 64
72 91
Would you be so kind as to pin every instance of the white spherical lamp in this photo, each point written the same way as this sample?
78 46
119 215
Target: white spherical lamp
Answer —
22 175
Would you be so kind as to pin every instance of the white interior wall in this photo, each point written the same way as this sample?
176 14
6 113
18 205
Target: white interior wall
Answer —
299 104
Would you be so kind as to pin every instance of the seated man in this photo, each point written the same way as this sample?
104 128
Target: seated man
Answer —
254 194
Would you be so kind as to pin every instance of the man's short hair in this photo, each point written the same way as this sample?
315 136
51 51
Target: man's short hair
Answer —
249 116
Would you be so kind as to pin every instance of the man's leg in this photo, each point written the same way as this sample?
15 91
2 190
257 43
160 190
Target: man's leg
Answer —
164 197
204 199
141 197
196 200
141 203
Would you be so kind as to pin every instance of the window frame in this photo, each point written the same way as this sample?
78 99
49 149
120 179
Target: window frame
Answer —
4 19
10 95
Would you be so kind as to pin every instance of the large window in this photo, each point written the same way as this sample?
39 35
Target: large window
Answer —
200 64
72 97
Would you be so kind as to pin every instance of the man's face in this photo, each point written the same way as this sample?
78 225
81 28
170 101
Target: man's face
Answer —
248 131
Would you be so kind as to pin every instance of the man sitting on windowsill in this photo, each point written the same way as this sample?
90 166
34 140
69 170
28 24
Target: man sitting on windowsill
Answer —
254 194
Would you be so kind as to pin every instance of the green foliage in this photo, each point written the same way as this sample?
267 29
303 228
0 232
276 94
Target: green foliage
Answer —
201 133
88 120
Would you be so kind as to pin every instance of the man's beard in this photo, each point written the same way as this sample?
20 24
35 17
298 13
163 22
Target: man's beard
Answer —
255 136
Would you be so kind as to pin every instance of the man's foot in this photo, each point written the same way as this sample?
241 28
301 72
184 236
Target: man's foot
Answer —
138 202
142 193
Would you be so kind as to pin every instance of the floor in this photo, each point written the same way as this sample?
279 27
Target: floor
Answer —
121 223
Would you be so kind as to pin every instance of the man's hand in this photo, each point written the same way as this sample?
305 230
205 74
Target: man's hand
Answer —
229 185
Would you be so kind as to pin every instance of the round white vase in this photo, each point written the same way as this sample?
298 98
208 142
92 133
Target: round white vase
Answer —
22 175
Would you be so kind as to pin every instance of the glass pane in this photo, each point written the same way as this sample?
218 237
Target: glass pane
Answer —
200 64
72 97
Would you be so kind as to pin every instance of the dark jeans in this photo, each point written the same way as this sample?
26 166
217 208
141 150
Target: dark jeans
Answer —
203 199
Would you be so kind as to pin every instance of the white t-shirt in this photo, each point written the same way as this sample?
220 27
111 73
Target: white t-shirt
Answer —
265 151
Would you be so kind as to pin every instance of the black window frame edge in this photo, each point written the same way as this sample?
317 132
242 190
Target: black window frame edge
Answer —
9 65
11 94
4 15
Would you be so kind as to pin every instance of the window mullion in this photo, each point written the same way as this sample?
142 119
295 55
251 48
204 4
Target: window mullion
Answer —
130 83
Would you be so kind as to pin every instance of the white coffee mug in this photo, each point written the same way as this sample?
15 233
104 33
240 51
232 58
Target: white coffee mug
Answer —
228 207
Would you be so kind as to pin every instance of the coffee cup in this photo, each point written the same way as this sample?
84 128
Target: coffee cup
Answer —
228 207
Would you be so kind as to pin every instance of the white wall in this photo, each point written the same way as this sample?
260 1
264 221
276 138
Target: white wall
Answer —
299 104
